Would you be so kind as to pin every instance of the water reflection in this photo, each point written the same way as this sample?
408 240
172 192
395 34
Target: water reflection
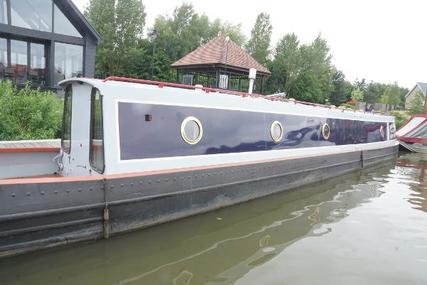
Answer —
416 165
326 232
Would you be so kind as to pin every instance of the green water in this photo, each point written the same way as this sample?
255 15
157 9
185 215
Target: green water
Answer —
369 227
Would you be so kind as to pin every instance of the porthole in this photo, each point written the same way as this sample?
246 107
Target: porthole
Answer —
191 130
276 131
326 131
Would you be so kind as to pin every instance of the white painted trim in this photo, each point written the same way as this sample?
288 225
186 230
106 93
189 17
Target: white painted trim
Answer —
149 164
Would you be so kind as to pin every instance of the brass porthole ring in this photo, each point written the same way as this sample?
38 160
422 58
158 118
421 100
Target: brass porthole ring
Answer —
191 130
276 131
326 131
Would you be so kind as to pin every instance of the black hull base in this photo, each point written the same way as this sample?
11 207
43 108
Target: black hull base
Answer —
36 216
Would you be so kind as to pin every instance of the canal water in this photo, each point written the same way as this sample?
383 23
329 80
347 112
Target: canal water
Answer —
368 227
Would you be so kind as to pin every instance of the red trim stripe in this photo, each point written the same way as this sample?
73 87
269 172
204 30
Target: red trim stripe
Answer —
152 172
413 140
29 149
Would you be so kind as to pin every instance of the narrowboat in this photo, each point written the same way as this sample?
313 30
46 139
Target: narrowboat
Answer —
413 134
135 153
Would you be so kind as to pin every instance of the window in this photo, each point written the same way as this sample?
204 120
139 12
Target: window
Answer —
68 61
32 14
62 25
191 130
3 11
18 61
96 153
66 120
392 129
276 131
382 133
37 72
3 57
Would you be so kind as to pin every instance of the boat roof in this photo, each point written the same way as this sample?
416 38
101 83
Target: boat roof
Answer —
114 81
414 130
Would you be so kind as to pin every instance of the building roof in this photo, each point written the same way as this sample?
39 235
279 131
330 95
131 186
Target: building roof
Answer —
78 18
421 85
221 50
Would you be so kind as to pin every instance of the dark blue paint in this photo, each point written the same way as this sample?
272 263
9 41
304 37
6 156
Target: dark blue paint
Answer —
227 131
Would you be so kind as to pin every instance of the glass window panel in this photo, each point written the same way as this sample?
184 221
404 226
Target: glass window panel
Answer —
18 61
66 121
3 57
37 72
68 61
32 14
96 133
3 11
62 25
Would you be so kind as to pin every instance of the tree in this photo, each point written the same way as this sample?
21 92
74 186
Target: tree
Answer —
316 60
302 71
373 92
259 44
391 96
342 88
285 67
120 23
357 94
130 21
417 104
101 13
218 27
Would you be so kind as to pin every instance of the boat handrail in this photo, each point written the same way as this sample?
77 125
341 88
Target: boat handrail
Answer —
162 84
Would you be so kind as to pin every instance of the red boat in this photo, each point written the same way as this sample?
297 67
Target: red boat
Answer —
413 134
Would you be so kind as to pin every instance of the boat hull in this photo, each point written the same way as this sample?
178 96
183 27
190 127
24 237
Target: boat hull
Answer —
56 212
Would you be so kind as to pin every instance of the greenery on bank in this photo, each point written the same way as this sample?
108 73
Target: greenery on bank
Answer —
28 113
302 71
400 117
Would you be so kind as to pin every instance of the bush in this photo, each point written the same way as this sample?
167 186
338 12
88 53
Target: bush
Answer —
28 113
400 117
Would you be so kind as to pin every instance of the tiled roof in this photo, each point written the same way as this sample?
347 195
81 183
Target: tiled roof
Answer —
221 51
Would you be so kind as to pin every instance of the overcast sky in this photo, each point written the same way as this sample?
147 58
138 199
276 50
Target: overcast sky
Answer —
379 40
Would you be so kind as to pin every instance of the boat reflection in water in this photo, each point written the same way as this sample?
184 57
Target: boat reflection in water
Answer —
417 165
217 248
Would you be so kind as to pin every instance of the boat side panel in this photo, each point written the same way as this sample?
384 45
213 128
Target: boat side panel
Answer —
42 215
51 214
142 201
226 131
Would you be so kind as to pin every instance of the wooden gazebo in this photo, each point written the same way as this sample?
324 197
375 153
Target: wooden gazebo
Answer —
220 63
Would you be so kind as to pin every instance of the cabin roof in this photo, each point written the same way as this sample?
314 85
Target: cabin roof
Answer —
131 86
221 50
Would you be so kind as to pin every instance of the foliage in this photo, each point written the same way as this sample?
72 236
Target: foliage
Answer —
258 45
391 95
400 117
342 88
186 30
28 113
303 72
357 94
417 104
120 23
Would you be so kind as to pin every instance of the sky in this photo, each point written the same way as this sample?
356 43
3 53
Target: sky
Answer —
379 40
